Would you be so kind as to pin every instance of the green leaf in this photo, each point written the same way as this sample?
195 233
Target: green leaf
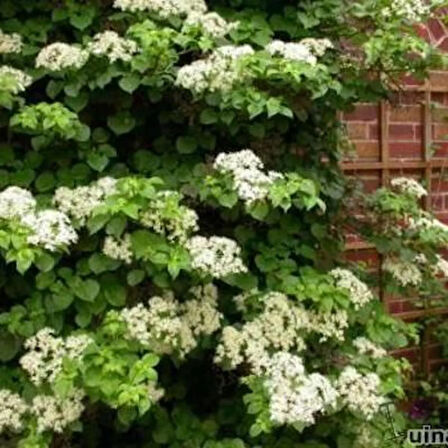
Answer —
121 123
85 289
130 83
114 291
45 262
45 182
186 145
135 277
208 116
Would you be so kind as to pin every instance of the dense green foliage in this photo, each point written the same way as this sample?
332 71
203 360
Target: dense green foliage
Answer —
132 144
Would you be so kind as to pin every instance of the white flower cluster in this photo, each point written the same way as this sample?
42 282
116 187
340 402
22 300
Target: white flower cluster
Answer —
280 326
246 169
295 396
114 47
10 43
441 267
218 72
216 256
367 347
163 8
405 273
118 248
409 186
168 217
360 293
427 222
360 393
211 23
329 325
168 326
60 56
411 10
49 229
12 409
78 203
54 413
15 80
307 50
46 353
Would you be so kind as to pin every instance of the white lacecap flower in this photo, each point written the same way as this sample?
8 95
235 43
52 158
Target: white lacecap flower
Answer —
112 46
16 203
216 256
246 168
60 56
169 327
409 186
411 10
317 46
211 23
405 273
218 72
51 229
367 347
79 203
163 8
10 43
295 51
12 410
360 393
118 248
295 396
280 326
329 325
360 293
46 352
56 414
427 222
19 79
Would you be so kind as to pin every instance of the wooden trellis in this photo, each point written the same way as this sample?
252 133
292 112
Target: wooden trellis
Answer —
386 166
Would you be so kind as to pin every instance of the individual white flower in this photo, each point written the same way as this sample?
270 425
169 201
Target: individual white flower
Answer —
219 72
216 256
12 410
51 229
409 186
211 23
118 248
405 273
360 293
79 203
16 203
60 56
360 393
163 8
54 413
367 347
294 396
10 43
43 361
279 327
169 327
295 51
114 47
246 168
19 79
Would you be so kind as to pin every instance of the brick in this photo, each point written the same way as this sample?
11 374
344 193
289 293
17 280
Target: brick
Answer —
440 131
374 132
423 32
401 132
436 29
439 97
439 114
363 112
357 131
438 78
395 307
440 149
438 202
405 150
368 150
406 114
